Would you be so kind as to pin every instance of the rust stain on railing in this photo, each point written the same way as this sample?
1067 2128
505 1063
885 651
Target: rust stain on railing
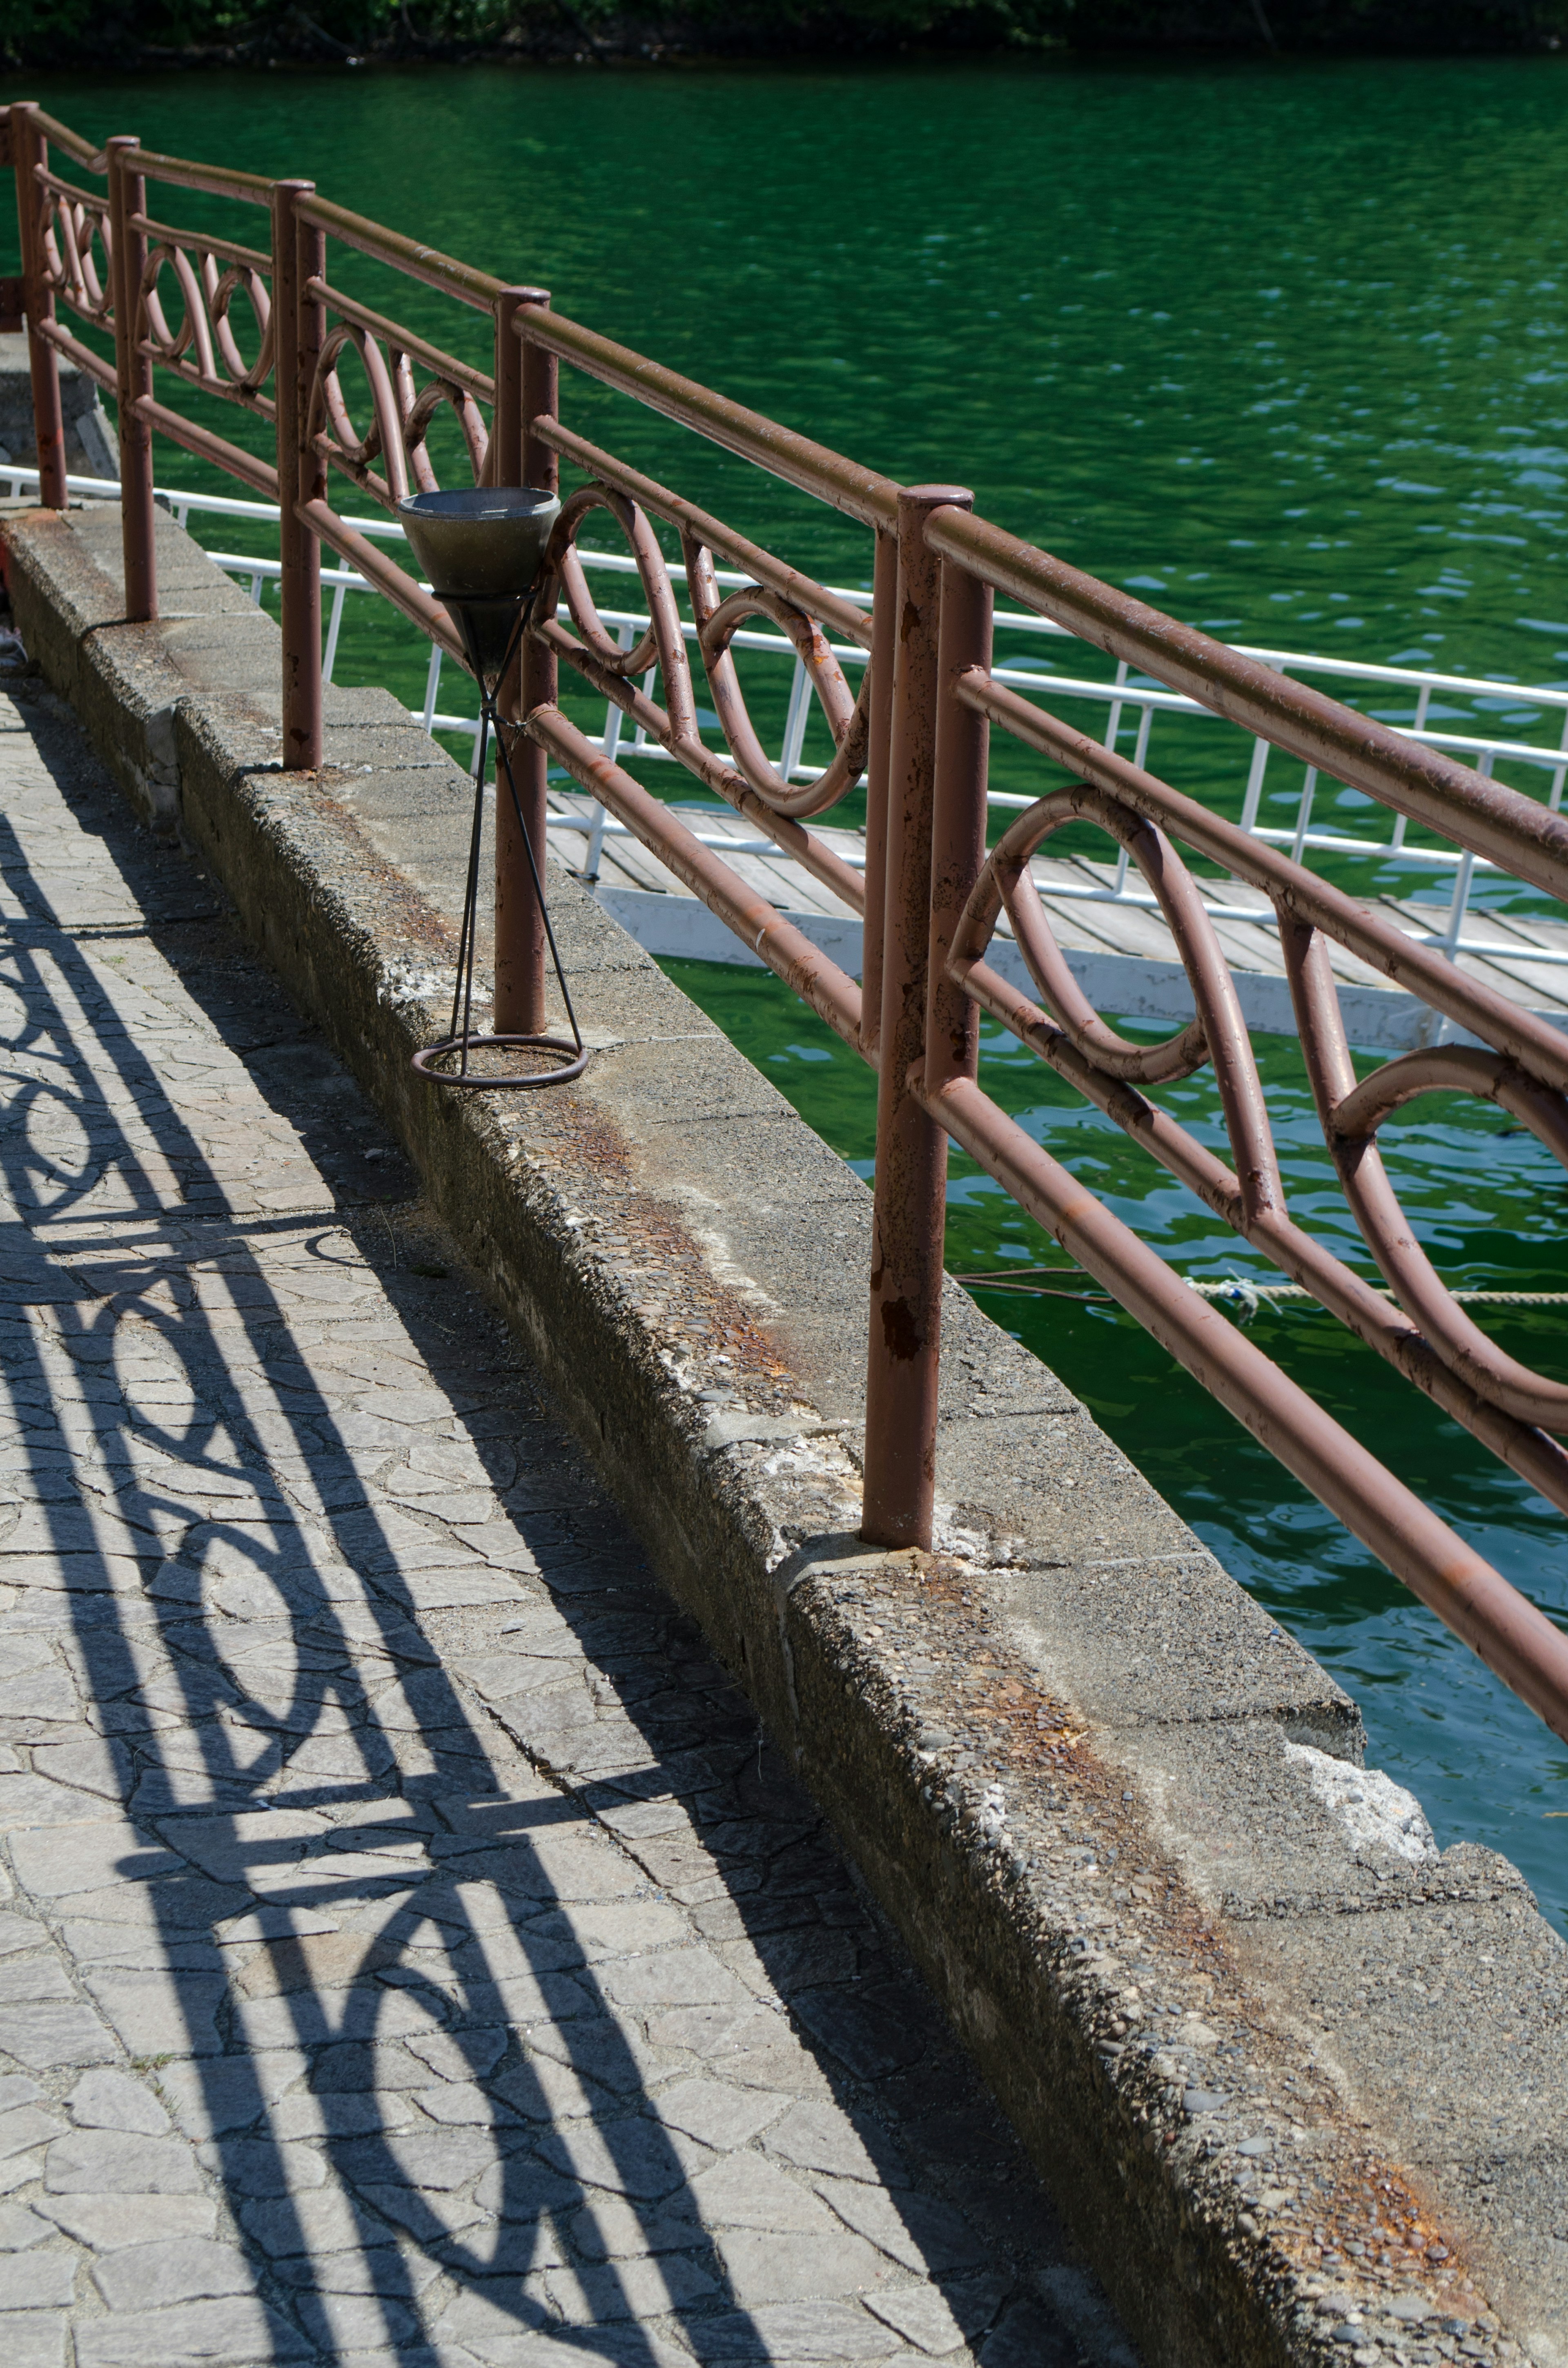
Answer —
918 735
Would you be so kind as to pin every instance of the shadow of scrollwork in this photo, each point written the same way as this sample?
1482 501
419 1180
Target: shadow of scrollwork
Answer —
481 1937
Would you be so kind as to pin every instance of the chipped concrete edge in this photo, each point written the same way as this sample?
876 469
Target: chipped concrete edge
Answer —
865 1666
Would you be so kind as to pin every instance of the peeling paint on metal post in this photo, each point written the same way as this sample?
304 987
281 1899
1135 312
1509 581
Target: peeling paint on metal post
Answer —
912 1151
28 150
296 257
526 388
128 198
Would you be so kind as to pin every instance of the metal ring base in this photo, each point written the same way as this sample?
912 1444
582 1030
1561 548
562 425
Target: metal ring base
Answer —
577 1062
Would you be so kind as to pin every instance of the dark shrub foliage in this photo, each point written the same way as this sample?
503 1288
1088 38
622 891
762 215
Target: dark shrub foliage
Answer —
151 32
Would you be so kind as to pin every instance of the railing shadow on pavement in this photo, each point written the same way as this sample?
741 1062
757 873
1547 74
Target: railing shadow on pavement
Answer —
221 1753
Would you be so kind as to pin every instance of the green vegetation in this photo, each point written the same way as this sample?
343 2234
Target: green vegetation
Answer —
162 32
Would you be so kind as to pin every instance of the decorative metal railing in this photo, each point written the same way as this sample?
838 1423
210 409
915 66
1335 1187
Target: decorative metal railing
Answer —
916 730
1394 863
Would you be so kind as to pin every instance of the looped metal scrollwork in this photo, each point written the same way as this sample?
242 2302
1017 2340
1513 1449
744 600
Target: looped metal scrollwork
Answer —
1111 1069
206 332
419 407
565 570
718 620
597 655
330 429
68 226
1015 894
663 644
401 415
1351 1115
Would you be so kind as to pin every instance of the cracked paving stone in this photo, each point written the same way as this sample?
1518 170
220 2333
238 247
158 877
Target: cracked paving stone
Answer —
231 2333
178 2268
407 1952
33 2338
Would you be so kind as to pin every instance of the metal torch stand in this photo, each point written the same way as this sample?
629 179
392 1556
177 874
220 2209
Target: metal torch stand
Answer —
462 1041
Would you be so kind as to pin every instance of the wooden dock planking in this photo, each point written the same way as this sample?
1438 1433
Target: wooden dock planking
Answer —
1539 985
1122 954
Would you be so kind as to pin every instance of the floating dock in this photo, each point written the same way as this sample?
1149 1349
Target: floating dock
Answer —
1117 945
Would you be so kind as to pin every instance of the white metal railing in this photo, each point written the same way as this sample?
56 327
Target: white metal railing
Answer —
1139 701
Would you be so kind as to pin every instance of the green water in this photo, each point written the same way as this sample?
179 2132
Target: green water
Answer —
1283 348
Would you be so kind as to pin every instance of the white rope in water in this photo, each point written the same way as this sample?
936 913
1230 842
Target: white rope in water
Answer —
1259 1293
1238 1289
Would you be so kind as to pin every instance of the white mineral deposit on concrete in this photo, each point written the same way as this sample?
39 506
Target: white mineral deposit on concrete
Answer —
1374 1809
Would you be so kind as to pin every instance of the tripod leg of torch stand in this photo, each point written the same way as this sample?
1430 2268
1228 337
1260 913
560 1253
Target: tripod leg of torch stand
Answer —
459 1039
462 992
506 755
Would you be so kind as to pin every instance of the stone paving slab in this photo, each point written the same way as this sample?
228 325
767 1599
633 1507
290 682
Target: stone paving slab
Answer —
409 1950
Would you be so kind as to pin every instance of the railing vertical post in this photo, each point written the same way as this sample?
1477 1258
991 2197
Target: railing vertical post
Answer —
911 1165
958 824
526 389
297 340
884 641
28 150
133 379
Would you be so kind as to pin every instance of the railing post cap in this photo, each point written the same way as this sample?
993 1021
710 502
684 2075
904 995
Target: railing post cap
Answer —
934 498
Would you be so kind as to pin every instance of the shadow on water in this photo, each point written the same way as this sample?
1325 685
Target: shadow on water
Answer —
304 1770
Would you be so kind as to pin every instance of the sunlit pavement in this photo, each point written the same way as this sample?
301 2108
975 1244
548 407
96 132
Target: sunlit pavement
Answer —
413 1953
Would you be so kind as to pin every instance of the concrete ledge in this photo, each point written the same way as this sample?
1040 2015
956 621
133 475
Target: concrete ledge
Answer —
1297 2080
90 450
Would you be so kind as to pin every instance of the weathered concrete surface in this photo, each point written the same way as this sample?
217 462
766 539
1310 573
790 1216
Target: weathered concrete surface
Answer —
90 450
409 1950
1103 1797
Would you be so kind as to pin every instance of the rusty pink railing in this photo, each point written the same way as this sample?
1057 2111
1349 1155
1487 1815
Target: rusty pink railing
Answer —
918 736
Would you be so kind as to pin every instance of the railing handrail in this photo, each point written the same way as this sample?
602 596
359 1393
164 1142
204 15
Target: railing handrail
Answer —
915 729
858 492
59 135
1482 815
411 255
212 180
